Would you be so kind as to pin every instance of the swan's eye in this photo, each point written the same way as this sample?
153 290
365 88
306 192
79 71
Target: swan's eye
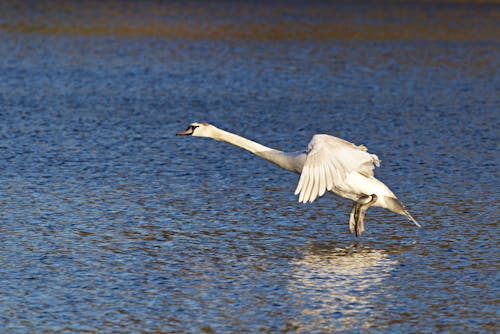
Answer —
192 127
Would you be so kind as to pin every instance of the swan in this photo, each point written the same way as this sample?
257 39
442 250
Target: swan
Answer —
329 164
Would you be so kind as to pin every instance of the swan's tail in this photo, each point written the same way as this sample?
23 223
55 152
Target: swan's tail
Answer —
396 206
410 218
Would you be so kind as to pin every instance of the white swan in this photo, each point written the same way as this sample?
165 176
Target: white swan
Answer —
330 163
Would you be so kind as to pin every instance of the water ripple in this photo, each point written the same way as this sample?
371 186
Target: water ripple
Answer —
110 223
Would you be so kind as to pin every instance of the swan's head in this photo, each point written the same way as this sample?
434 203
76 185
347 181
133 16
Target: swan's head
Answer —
198 129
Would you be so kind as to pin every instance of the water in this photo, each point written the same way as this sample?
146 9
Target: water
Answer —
110 223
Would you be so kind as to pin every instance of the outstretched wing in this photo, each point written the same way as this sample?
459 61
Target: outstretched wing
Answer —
329 160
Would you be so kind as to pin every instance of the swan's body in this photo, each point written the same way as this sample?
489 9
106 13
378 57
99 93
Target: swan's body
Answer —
329 164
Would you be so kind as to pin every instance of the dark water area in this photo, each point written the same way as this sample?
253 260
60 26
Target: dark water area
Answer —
111 223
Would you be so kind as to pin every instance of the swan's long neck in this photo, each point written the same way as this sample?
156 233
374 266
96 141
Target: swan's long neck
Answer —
288 161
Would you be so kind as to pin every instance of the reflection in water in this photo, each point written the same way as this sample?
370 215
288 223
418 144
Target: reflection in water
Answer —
337 288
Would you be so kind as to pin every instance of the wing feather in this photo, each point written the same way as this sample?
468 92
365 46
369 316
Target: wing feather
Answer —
310 184
328 162
301 185
329 178
322 180
315 189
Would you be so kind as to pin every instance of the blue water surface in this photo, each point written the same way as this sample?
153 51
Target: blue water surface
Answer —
111 223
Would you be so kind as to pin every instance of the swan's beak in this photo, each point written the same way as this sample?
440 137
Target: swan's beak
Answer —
187 132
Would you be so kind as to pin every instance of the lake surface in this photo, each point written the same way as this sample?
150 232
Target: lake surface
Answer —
110 223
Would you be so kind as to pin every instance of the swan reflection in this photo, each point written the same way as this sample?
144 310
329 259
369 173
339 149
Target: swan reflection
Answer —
339 288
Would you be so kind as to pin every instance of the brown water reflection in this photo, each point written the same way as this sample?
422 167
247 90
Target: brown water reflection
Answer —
463 21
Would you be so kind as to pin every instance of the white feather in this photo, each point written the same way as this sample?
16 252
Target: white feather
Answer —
328 162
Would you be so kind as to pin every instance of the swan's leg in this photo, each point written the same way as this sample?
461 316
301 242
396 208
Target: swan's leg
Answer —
360 222
353 217
355 213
